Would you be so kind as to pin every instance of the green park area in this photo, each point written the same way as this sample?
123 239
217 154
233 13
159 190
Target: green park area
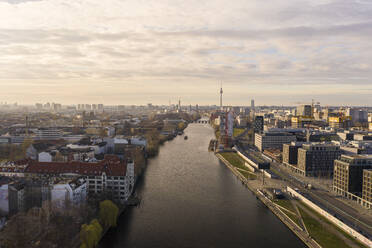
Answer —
236 161
238 131
289 210
323 235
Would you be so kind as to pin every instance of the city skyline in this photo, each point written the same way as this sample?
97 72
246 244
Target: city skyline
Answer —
135 52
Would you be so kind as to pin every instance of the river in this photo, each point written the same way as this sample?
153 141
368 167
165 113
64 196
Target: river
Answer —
190 199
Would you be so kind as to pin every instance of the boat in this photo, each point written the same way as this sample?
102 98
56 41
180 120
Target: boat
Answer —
185 138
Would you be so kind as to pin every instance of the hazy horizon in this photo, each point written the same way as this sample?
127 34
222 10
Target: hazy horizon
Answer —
137 52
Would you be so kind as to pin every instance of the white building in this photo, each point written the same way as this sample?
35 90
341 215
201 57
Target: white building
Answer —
45 157
119 183
74 191
111 176
4 201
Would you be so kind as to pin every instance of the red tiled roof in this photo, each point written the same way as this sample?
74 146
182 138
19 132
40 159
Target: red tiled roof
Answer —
111 166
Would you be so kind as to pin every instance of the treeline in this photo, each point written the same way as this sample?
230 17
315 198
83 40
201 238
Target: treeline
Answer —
91 234
52 226
155 138
12 152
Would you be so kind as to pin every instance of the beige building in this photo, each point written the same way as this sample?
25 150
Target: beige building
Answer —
350 178
367 186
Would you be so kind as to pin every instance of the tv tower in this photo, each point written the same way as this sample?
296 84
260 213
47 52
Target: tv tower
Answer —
221 92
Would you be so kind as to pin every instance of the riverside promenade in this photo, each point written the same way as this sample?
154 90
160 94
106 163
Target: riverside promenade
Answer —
298 231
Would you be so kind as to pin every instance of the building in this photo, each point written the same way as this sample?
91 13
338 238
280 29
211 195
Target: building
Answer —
258 124
69 191
45 157
357 115
48 134
317 159
305 110
4 197
226 128
34 150
290 152
241 121
56 106
272 140
367 187
16 194
339 121
300 121
39 106
111 176
346 135
252 104
348 176
362 137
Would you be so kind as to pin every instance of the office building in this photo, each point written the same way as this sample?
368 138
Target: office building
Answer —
300 121
272 140
305 110
317 159
290 152
357 115
258 124
349 177
48 134
339 122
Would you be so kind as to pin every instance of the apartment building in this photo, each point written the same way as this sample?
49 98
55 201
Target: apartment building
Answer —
111 176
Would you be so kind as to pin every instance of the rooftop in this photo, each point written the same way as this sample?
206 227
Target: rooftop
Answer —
111 165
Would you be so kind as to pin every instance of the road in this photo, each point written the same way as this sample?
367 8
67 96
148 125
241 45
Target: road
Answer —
322 198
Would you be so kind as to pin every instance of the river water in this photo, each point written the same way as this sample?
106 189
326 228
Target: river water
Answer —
190 199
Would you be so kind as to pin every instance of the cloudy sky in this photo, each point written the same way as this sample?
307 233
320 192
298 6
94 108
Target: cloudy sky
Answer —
141 51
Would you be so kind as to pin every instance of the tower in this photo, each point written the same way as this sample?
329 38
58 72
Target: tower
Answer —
221 92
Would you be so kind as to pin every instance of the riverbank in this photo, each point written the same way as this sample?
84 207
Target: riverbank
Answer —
298 231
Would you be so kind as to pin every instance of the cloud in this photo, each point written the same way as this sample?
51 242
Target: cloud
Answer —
18 1
132 46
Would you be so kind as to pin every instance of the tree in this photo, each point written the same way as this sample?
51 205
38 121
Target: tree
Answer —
181 126
102 133
108 213
19 231
25 145
90 234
